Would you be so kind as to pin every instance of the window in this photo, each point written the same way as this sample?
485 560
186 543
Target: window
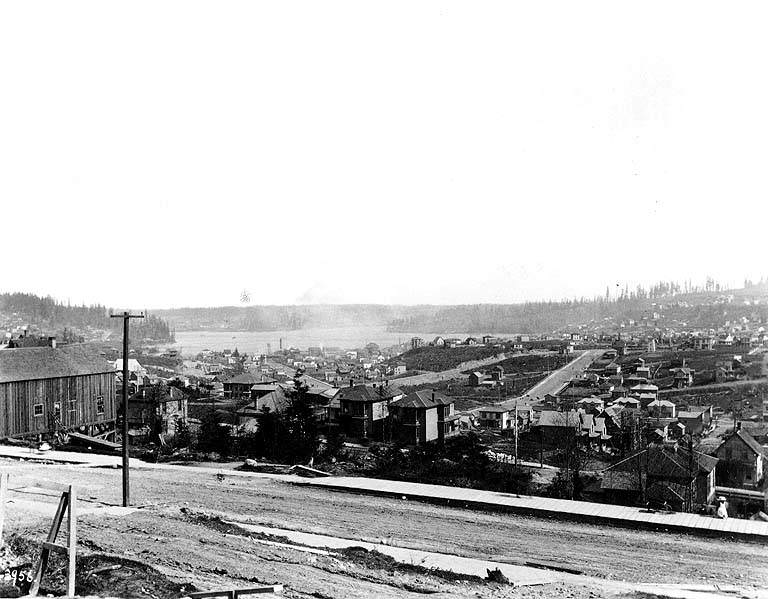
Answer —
72 405
38 409
57 410
100 404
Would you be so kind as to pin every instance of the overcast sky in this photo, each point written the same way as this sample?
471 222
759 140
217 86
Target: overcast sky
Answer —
158 154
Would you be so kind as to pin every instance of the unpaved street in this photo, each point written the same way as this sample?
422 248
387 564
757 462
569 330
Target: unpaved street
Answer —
163 534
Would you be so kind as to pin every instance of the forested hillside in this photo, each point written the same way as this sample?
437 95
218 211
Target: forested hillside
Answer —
71 322
695 305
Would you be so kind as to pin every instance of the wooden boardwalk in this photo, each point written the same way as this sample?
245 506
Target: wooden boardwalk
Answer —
582 511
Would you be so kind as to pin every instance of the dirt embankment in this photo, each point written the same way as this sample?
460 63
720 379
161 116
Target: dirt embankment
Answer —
184 550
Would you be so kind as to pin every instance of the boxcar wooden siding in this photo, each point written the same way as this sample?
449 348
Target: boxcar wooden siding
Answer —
76 395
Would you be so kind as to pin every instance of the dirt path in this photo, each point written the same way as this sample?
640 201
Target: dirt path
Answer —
161 534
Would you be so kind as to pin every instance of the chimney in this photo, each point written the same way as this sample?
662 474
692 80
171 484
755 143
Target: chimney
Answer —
350 382
433 395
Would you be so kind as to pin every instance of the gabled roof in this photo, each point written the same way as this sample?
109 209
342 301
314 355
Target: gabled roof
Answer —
674 462
365 393
33 363
422 399
748 440
246 378
560 419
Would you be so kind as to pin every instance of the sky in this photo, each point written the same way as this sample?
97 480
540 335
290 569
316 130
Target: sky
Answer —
162 154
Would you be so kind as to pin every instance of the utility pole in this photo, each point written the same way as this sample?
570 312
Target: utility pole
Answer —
516 434
126 317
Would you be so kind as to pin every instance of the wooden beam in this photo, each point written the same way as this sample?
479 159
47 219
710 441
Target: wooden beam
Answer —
3 492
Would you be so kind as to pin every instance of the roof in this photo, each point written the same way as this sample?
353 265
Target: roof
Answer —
33 363
422 399
365 393
748 440
644 387
246 378
661 402
561 419
133 364
689 414
674 462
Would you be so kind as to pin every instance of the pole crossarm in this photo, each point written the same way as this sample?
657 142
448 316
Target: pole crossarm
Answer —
126 316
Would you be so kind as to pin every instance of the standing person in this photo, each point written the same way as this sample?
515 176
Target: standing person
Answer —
722 508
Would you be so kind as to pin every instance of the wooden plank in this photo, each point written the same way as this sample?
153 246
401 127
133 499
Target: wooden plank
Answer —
43 561
3 492
55 547
102 443
72 541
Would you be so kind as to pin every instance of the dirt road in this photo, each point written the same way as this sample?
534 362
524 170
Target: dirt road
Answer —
163 535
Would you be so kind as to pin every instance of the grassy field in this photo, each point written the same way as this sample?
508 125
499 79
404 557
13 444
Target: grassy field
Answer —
437 359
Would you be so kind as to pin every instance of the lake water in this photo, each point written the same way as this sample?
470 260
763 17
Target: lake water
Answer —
193 342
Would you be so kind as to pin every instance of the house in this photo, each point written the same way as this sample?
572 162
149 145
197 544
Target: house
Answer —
399 368
643 372
364 410
591 405
683 377
491 340
660 475
612 369
470 341
423 416
497 373
560 428
696 419
438 341
158 409
46 389
475 378
742 461
662 408
239 387
704 343
496 417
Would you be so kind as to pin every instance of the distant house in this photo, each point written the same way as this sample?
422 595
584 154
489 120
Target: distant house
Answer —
497 373
612 369
45 389
683 377
423 416
662 408
470 341
399 368
591 405
643 372
695 419
417 342
558 428
661 475
476 378
704 343
158 408
496 417
438 341
239 387
742 461
363 410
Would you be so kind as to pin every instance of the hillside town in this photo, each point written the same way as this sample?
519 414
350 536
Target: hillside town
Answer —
670 417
